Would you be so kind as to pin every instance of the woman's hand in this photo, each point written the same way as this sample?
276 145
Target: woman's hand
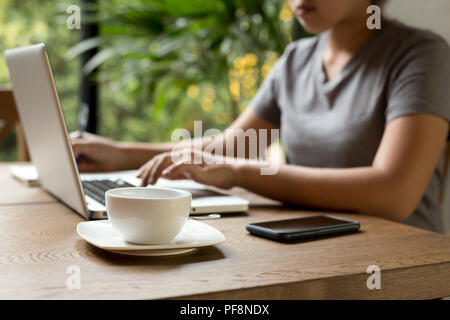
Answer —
199 166
97 154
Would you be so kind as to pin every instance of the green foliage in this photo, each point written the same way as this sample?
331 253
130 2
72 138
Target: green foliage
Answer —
152 52
163 64
26 22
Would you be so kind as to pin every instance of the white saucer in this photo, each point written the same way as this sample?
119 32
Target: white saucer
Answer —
154 253
195 234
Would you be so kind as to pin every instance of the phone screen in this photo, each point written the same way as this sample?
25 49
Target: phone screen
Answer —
299 224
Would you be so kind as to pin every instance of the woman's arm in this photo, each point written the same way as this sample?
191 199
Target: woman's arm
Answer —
96 154
101 154
391 187
248 120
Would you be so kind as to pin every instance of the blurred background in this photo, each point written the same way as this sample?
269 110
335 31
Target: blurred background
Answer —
151 66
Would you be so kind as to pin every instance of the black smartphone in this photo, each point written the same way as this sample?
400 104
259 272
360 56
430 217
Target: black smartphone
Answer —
306 227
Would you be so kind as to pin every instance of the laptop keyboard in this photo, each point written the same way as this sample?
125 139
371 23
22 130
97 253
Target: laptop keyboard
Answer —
96 188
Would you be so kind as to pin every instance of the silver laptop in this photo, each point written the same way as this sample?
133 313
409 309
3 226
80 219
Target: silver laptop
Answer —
51 152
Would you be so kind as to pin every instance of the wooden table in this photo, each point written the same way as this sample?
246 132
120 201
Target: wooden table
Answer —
13 192
38 242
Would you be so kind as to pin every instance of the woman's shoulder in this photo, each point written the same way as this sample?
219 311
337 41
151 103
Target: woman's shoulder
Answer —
406 49
409 38
303 46
419 71
299 52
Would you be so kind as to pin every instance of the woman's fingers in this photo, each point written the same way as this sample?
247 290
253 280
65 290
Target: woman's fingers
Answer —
163 166
94 153
180 176
87 147
87 166
158 166
81 147
83 154
151 171
143 169
144 172
219 175
181 168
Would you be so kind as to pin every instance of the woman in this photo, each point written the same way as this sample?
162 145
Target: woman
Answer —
364 118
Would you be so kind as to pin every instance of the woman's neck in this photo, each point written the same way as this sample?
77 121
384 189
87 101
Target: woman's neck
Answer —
348 36
344 41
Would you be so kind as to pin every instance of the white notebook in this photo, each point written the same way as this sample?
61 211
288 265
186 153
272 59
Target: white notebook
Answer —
26 174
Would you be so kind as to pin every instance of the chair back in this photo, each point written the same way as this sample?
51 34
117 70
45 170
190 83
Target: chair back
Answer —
9 119
8 113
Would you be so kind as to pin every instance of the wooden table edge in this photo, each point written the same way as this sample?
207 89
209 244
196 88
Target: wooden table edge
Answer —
347 287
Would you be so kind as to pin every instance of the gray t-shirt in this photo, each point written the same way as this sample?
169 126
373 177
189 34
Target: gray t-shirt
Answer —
339 123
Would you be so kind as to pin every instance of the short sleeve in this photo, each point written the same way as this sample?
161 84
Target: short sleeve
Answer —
420 82
265 101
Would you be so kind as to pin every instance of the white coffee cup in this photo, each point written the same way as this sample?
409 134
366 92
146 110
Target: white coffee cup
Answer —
148 215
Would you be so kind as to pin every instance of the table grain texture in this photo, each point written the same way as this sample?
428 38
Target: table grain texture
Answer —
38 242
